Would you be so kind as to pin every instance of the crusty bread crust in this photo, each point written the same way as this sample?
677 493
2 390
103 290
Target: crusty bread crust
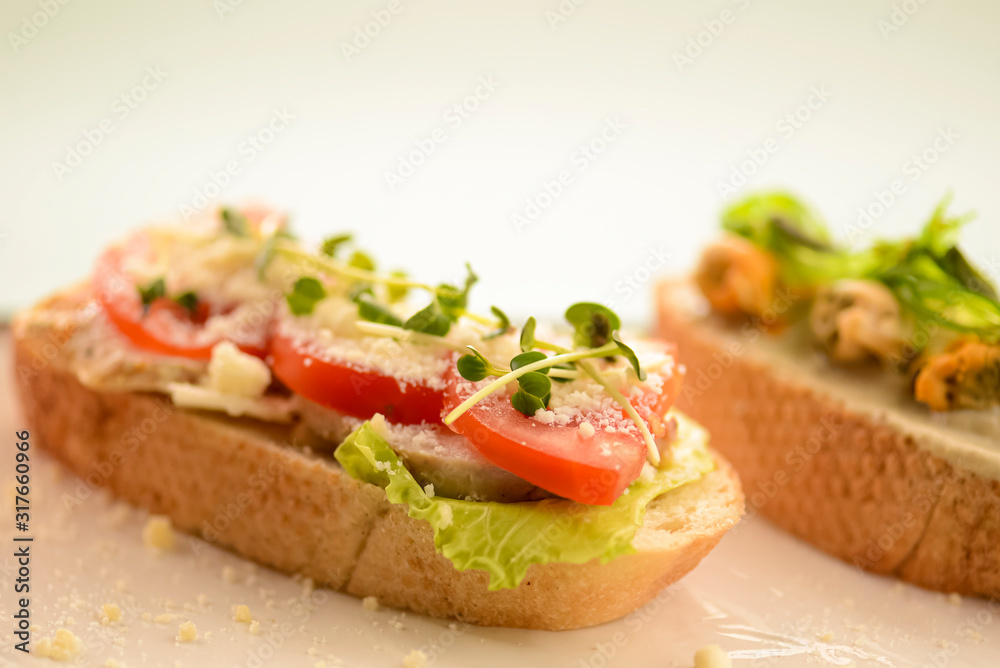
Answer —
843 479
235 483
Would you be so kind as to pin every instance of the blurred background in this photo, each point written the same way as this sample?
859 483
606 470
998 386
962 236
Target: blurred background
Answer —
569 149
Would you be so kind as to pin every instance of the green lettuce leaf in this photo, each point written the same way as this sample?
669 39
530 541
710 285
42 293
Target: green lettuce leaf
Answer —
504 539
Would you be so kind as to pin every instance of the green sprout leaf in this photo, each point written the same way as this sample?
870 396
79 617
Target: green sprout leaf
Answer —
265 256
373 312
332 244
536 384
397 292
472 367
528 335
188 300
151 293
235 223
629 355
306 292
502 328
361 260
526 403
429 320
592 324
454 300
524 359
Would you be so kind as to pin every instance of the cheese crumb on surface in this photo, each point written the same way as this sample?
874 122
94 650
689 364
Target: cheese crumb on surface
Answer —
255 627
241 614
429 489
165 618
586 430
415 659
113 663
187 632
110 613
228 574
826 636
954 599
369 603
63 647
158 533
712 656
232 371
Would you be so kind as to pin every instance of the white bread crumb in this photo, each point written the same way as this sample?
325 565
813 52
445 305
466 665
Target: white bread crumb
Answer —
158 533
415 659
187 632
369 603
241 614
110 613
712 656
64 647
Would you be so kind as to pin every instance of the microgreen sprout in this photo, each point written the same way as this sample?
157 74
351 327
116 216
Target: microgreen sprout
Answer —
188 301
534 370
152 292
592 324
503 324
235 222
306 292
332 244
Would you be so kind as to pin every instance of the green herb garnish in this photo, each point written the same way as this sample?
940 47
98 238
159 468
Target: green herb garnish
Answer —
155 290
235 223
306 292
188 300
332 244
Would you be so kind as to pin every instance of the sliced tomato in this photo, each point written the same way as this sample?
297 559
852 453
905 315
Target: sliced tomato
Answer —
356 392
592 469
165 327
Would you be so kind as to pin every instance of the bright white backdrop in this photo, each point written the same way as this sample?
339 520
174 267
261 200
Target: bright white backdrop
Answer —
881 93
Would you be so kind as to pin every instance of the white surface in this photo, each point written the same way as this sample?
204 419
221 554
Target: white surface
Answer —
762 596
653 191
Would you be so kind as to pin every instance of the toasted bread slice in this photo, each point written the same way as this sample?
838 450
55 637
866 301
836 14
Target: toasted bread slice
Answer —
834 458
238 484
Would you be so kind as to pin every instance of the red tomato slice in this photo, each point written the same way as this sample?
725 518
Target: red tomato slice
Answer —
558 458
357 393
165 327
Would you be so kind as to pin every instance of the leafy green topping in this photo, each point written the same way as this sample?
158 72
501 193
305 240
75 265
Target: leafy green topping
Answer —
528 335
592 324
629 355
235 222
929 274
453 300
306 292
152 292
503 325
396 291
373 312
362 261
780 223
332 244
473 367
188 301
533 394
429 320
505 539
